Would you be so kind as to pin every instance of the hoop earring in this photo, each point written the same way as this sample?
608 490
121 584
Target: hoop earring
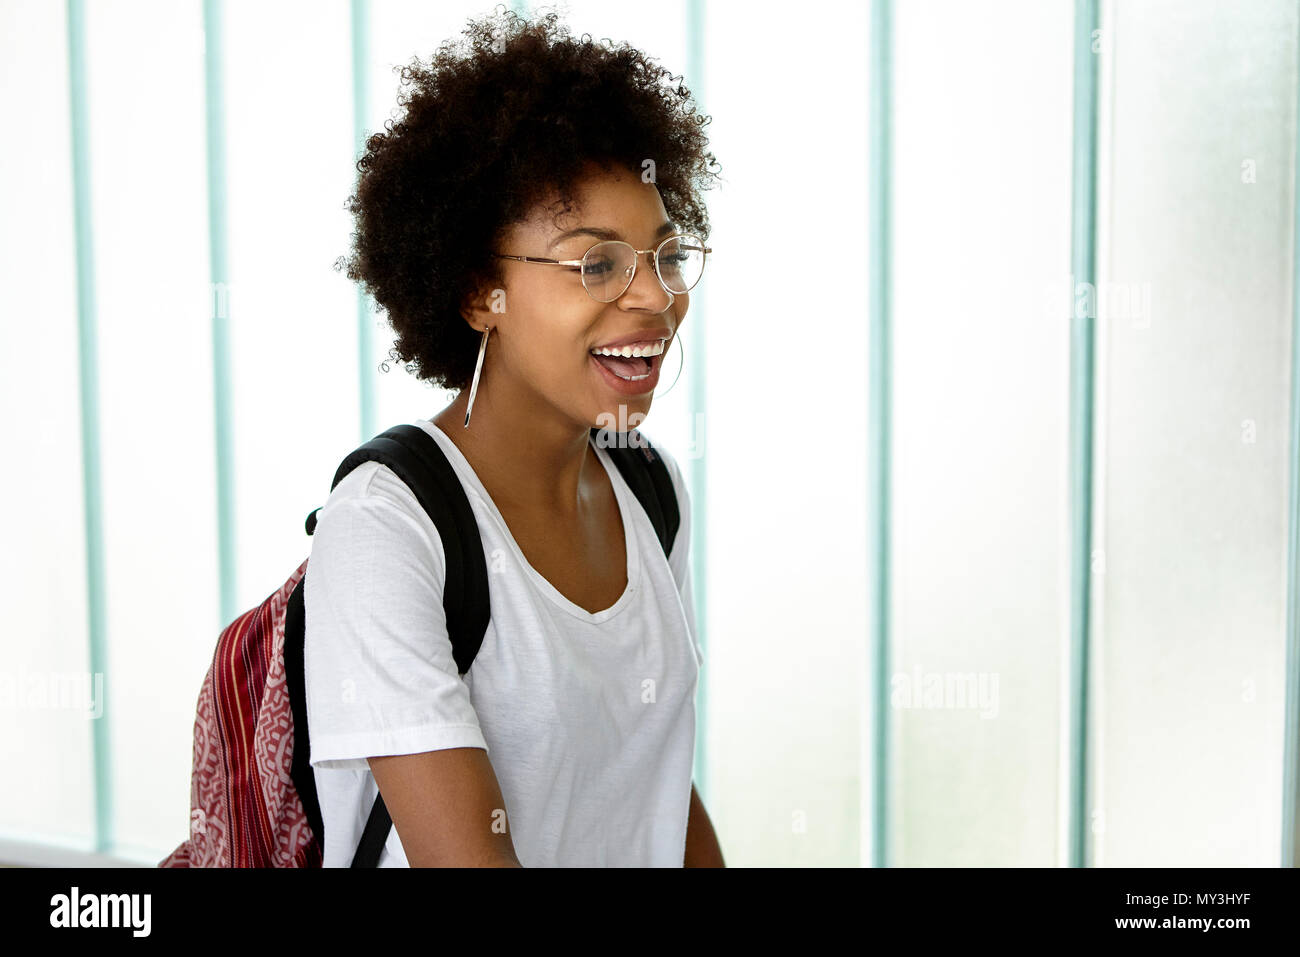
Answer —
478 370
681 349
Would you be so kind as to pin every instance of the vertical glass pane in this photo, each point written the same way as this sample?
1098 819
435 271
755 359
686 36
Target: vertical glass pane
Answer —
980 261
150 217
288 119
786 414
1194 310
43 561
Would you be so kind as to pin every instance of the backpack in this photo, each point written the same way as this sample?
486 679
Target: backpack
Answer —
253 800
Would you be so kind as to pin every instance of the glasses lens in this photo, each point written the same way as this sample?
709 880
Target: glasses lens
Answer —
681 261
607 270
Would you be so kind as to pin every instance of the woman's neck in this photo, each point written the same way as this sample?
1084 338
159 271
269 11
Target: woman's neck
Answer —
525 461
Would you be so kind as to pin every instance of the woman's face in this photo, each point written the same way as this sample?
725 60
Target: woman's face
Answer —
547 325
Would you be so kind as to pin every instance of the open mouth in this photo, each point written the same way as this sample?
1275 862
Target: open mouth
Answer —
631 363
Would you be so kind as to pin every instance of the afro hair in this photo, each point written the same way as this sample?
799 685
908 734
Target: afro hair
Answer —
493 125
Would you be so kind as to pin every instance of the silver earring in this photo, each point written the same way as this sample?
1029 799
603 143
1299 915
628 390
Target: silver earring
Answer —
682 350
478 369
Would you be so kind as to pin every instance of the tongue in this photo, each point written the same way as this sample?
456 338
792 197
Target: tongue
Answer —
626 368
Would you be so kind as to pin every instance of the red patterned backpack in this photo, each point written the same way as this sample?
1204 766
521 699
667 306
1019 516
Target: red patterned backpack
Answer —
253 796
243 809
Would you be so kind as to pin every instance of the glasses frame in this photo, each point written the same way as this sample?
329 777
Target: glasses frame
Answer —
636 261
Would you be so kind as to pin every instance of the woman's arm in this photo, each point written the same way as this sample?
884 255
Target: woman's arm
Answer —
447 808
702 849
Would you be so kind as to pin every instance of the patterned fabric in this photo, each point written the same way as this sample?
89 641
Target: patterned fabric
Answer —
244 809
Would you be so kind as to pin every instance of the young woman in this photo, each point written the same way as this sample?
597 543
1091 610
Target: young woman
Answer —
534 210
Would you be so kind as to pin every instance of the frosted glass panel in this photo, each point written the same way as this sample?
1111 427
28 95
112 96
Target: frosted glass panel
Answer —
783 439
981 256
292 316
1196 233
155 401
44 643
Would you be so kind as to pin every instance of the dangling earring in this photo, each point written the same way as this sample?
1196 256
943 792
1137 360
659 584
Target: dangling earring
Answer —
478 369
682 350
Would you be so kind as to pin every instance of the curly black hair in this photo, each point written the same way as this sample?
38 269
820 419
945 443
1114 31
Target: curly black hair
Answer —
492 125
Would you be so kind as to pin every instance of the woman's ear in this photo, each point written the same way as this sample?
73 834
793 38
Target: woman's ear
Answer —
485 306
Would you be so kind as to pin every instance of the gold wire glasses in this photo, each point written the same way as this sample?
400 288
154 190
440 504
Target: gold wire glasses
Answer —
609 267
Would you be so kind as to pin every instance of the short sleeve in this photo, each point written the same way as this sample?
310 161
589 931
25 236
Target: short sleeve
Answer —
679 558
379 672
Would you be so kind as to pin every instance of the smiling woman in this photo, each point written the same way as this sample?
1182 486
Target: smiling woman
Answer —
607 270
571 738
596 301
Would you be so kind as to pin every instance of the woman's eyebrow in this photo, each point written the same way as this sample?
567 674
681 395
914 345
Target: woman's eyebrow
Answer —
601 232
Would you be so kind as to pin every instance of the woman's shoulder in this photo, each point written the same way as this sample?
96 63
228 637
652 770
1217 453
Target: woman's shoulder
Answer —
372 504
372 482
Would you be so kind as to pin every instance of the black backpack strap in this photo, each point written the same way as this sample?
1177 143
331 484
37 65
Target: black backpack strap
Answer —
647 475
419 462
304 781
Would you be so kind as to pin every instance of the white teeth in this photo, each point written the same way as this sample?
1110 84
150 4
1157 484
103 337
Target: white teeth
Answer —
628 352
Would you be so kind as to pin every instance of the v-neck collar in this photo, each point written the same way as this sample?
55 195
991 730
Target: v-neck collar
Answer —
622 494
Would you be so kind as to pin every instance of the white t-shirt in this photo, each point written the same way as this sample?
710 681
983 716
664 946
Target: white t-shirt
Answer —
588 719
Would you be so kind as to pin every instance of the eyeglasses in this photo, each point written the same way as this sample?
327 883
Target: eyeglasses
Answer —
609 267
